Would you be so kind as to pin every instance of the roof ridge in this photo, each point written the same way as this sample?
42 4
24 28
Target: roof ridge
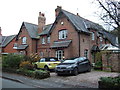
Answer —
30 23
81 17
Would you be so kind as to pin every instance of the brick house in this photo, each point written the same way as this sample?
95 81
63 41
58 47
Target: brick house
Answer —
8 44
68 36
72 36
27 39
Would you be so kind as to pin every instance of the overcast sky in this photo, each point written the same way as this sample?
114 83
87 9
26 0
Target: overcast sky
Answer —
14 12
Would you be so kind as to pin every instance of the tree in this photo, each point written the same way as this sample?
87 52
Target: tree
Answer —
110 14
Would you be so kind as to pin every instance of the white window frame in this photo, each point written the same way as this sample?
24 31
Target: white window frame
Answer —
86 53
63 34
15 46
48 39
93 36
43 40
60 54
24 40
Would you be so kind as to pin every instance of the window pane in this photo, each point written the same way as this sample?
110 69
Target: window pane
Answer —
62 34
24 40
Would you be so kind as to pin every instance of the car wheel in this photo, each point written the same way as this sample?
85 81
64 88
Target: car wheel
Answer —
75 71
46 68
35 66
89 68
58 74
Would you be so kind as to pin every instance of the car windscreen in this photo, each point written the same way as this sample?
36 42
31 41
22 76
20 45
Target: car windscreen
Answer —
69 62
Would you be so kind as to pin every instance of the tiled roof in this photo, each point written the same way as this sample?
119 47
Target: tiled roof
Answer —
80 23
60 44
76 21
22 47
109 36
32 29
7 39
46 29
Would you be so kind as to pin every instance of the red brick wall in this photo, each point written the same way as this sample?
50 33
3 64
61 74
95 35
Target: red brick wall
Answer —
9 47
111 61
31 42
85 44
72 50
43 47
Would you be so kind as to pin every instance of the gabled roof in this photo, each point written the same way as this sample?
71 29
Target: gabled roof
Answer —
79 23
46 29
7 39
31 28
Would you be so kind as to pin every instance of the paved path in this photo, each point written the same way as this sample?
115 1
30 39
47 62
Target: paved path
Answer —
83 80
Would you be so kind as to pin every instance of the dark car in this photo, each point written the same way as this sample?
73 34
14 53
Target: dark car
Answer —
74 66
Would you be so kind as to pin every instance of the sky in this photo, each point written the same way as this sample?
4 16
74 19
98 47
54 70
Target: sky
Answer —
14 12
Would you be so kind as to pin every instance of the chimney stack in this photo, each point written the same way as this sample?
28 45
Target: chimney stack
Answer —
41 22
57 10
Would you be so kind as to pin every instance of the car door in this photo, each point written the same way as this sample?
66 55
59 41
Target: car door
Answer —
41 63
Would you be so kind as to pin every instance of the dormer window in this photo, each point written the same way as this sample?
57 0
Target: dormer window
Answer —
63 34
24 40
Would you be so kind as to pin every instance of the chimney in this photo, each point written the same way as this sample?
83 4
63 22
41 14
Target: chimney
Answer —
41 22
57 10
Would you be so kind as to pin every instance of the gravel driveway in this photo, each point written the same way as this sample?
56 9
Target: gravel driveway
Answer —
88 79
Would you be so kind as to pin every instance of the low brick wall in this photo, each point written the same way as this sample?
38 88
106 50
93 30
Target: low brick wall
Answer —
111 61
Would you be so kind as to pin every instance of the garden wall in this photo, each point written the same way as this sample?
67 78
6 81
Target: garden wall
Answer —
111 61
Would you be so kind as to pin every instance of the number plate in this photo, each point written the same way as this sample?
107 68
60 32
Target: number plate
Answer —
60 70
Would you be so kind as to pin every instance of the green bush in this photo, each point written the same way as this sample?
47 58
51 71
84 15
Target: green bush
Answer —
40 74
11 61
98 65
110 82
25 72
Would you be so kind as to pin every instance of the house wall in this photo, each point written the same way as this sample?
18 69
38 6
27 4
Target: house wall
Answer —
30 42
85 44
9 47
43 48
72 50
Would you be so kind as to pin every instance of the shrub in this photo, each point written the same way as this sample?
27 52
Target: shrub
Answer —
40 74
25 72
26 65
12 61
109 82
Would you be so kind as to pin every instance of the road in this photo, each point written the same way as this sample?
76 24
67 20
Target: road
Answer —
12 84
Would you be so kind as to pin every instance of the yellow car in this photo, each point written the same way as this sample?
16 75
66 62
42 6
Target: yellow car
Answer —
47 63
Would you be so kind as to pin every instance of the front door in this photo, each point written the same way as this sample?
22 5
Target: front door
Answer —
60 54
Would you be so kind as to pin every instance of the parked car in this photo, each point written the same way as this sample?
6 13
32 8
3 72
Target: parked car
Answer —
74 66
47 63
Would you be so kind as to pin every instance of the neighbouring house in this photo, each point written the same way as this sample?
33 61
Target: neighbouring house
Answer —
26 39
8 44
68 36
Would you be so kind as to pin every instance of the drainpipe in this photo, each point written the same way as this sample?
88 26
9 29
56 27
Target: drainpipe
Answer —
79 42
36 45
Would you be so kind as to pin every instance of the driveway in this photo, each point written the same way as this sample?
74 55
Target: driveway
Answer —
83 80
89 79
